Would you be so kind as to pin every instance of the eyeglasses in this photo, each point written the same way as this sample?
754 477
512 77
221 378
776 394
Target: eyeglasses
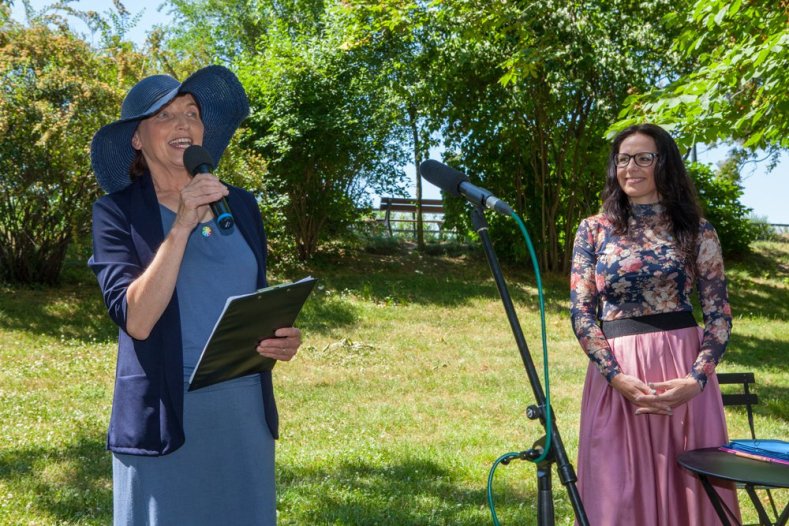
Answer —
643 159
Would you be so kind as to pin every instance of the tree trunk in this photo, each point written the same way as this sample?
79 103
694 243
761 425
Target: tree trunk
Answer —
420 233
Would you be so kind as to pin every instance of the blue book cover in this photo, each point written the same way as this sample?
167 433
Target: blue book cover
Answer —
777 449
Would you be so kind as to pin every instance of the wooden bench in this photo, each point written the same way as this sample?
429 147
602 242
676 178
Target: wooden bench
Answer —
404 205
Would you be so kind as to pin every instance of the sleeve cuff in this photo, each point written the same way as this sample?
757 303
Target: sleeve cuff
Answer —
701 378
610 373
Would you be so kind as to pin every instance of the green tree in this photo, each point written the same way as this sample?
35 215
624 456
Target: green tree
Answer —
49 109
324 133
720 195
317 119
529 90
399 48
737 87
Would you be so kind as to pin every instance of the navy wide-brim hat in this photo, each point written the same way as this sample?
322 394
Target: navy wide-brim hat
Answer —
223 106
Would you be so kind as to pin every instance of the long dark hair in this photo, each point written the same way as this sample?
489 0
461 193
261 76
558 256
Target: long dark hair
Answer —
676 189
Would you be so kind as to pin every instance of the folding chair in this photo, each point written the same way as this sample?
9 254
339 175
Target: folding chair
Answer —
748 399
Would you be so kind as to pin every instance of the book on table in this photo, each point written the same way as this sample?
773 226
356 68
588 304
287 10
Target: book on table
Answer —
767 450
230 351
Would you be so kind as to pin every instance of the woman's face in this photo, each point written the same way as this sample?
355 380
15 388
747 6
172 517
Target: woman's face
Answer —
163 137
638 182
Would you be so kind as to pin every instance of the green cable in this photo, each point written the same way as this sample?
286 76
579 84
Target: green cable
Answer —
548 419
503 458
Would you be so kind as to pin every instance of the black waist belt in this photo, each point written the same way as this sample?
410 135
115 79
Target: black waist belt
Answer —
645 324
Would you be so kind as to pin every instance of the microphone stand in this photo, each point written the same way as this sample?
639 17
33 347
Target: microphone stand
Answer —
545 511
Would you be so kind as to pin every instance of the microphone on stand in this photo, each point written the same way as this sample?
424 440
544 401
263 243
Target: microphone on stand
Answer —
197 160
456 183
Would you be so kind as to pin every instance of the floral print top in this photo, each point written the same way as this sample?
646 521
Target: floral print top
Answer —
640 273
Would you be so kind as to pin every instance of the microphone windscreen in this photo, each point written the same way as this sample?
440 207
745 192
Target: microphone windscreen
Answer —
443 176
196 156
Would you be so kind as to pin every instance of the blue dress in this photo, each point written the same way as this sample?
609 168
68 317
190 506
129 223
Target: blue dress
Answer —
224 472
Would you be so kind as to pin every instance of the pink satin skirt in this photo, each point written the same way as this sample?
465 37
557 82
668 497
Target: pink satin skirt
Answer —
627 469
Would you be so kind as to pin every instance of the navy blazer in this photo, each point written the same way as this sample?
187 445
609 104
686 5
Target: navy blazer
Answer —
148 401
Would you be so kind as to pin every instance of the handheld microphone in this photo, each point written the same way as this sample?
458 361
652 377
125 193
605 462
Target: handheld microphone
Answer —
198 161
456 183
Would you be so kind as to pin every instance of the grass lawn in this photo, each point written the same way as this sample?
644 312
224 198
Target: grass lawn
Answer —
408 387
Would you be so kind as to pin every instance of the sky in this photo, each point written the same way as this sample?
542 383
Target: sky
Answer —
766 193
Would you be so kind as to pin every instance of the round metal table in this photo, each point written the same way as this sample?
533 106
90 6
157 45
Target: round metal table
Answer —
714 463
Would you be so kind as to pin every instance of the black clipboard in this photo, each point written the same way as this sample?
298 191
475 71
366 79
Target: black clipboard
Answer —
230 351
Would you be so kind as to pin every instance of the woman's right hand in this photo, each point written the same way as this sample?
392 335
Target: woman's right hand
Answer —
149 294
195 197
639 394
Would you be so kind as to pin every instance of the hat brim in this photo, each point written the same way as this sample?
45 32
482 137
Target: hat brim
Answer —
223 106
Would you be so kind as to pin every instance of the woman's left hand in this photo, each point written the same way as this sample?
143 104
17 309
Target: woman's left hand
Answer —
672 392
283 347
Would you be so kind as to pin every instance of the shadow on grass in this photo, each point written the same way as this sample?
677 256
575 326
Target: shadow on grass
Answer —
73 485
749 295
413 492
750 298
70 485
415 278
755 353
72 311
751 354
75 309
322 313
766 258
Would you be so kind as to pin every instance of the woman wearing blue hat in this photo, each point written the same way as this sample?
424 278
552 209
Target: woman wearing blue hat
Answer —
165 270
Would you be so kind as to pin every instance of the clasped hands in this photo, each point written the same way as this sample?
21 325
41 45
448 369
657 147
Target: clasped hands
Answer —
656 397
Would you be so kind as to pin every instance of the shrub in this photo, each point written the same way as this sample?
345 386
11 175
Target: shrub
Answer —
721 206
761 229
49 109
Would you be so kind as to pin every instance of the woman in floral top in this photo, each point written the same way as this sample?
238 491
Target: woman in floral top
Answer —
650 390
